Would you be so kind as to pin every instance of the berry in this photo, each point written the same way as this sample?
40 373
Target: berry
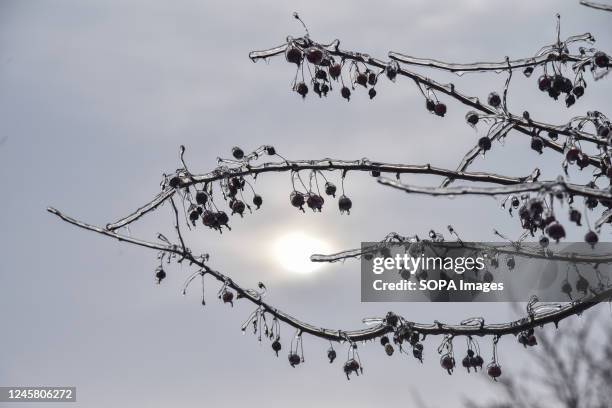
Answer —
566 85
572 154
591 238
467 362
351 366
174 182
478 362
335 70
346 93
494 371
566 288
578 91
603 131
440 109
448 363
375 173
194 215
430 105
532 340
257 201
372 93
297 199
276 346
484 143
553 93
222 218
472 118
209 219
384 340
601 59
201 197
510 263
237 207
345 204
237 153
537 144
294 359
582 285
515 202
228 297
583 161
324 89
391 70
494 99
320 74
372 79
302 89
556 231
314 55
544 83
389 349
544 241
317 89
315 202
362 79
293 55
417 352
331 354
528 71
523 338
575 216
330 189
160 275
570 100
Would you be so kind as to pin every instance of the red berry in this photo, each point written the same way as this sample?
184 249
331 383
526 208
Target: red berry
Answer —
351 366
237 153
556 231
494 99
302 89
314 55
591 238
237 207
430 105
228 297
335 70
484 143
389 349
293 55
315 202
346 93
472 118
494 371
601 59
297 199
257 200
160 275
372 79
345 204
372 93
294 359
578 91
537 144
448 363
572 154
201 197
276 346
544 83
362 79
440 109
330 189
174 182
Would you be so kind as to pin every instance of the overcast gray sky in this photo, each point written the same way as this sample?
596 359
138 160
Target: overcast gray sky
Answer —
97 96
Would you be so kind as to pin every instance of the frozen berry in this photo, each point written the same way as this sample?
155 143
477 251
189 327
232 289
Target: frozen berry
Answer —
297 199
362 79
544 83
575 216
510 263
201 197
494 371
294 359
570 100
302 89
350 367
222 218
331 355
324 89
228 297
544 241
472 118
257 200
270 150
384 340
494 99
389 349
276 346
160 275
572 154
375 173
237 207
315 202
537 144
556 231
601 59
391 70
321 74
209 219
330 189
484 143
582 285
591 238
372 78
345 204
293 55
314 55
532 340
346 93
448 363
566 288
335 70
430 105
578 91
194 215
175 182
237 153
372 93
440 109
